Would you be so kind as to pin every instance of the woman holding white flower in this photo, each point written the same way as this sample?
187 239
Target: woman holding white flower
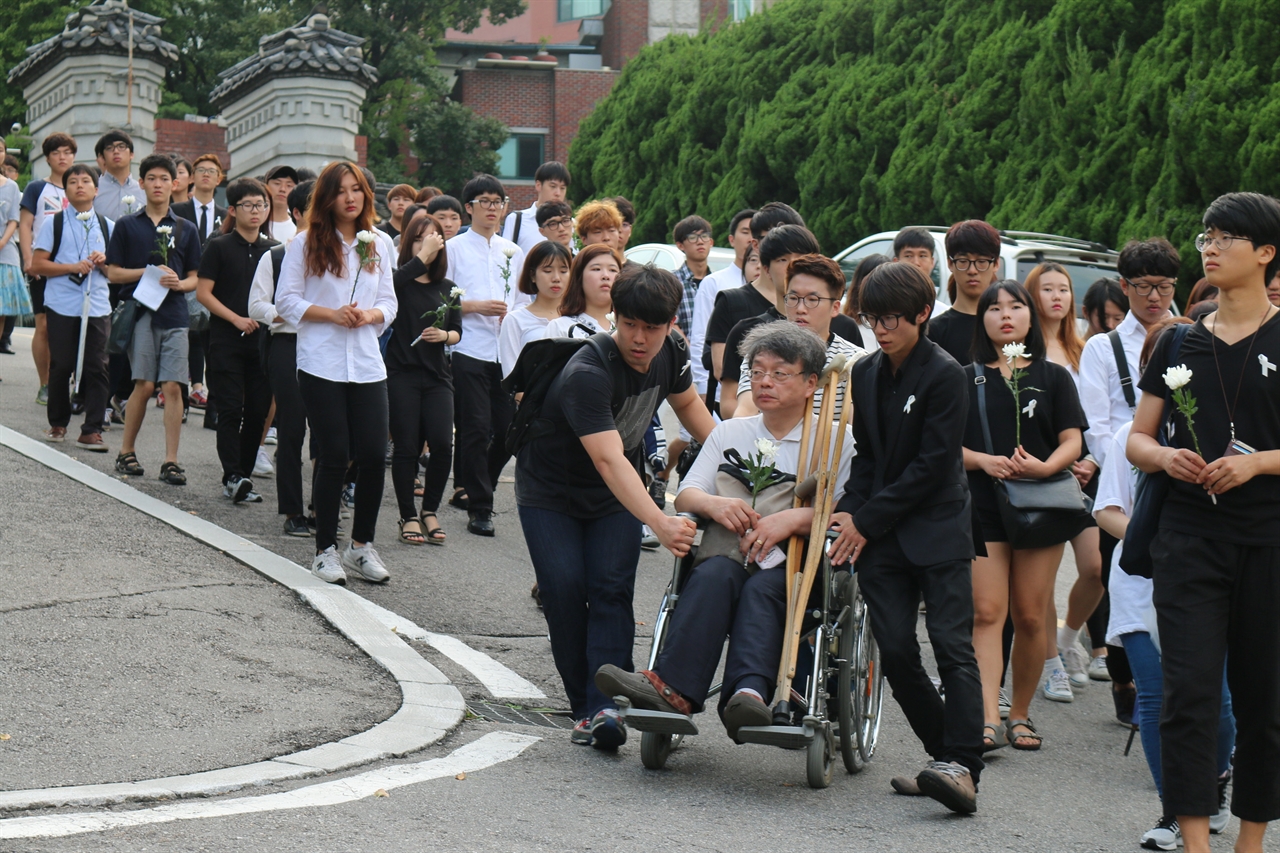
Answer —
336 288
588 301
545 277
1036 425
419 382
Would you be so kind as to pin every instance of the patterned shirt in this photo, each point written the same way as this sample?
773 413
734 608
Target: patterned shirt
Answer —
684 314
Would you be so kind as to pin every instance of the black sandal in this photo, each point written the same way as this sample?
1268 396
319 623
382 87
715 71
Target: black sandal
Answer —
460 499
418 490
411 537
171 473
435 535
127 463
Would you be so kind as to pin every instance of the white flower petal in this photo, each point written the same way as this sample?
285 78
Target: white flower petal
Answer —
1176 377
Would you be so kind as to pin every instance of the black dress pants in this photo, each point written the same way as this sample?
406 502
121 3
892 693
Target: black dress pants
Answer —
421 410
64 346
484 413
244 397
892 586
291 421
1217 600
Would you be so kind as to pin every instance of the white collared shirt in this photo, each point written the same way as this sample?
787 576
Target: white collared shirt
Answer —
477 265
530 236
703 304
328 350
519 328
211 221
261 308
1101 396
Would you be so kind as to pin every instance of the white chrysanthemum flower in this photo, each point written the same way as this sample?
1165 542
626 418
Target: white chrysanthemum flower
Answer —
508 252
164 229
613 321
129 200
365 236
767 449
1176 377
455 293
1012 351
85 215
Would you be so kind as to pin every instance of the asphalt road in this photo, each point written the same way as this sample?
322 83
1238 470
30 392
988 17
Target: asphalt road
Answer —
1079 793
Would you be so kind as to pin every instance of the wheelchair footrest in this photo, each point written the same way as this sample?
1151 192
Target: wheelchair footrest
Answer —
787 737
660 722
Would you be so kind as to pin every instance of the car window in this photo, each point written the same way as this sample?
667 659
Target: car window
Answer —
876 247
641 256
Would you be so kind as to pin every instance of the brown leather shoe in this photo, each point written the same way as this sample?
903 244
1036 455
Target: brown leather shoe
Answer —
906 786
643 693
92 442
950 784
55 434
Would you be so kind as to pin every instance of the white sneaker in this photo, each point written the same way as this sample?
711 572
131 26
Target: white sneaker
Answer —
271 436
647 540
1057 687
1098 669
263 467
328 567
1076 662
1005 703
1165 835
366 563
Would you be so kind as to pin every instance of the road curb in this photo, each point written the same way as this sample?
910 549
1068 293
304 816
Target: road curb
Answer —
430 705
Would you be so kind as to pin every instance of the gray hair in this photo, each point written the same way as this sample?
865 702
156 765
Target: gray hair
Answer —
788 342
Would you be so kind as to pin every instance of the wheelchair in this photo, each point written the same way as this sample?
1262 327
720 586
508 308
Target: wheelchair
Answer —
835 701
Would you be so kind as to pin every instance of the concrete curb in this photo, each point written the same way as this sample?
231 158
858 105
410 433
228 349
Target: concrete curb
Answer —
430 705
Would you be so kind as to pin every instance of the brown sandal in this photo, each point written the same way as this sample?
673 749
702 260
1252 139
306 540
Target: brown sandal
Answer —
411 537
435 535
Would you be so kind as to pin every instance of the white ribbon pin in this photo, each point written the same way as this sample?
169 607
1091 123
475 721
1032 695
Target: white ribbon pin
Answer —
1030 409
907 408
1267 366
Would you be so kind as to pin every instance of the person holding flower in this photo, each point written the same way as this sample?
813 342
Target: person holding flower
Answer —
1036 424
419 383
1216 556
336 289
545 277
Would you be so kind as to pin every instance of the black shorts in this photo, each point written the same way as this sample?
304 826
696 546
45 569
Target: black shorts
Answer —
36 283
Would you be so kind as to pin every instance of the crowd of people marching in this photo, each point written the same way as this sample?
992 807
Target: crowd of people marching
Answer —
410 343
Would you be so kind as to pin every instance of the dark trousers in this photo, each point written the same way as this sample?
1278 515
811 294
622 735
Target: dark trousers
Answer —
892 586
291 421
421 409
699 625
6 334
197 347
64 345
755 638
1216 600
244 397
348 419
586 570
484 413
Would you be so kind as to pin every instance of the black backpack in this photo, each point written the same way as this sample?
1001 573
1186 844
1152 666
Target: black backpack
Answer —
539 365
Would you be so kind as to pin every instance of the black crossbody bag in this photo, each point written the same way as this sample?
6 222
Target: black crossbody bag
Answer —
1035 513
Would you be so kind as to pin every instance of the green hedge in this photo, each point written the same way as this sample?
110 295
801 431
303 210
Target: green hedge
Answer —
1100 119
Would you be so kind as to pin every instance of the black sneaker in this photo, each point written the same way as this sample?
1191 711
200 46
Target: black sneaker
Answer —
297 526
237 488
658 491
1125 698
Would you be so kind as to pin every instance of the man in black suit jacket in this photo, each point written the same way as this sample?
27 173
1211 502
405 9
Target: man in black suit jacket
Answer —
201 208
905 519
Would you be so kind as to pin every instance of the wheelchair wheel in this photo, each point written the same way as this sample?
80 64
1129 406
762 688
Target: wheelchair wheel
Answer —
820 760
654 749
846 701
868 695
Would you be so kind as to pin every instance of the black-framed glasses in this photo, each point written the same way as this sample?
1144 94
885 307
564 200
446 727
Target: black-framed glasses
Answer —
698 237
490 203
979 264
888 322
559 222
778 376
209 170
1222 242
114 147
811 301
1143 288
253 207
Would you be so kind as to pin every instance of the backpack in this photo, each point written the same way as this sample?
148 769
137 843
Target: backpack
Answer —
57 238
539 365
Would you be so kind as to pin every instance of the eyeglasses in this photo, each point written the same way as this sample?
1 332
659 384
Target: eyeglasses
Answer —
698 237
888 322
1143 288
979 264
203 170
811 301
562 222
253 206
489 203
114 147
1222 242
777 376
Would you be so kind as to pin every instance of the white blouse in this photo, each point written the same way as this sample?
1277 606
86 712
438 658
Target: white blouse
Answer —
328 350
518 328
567 327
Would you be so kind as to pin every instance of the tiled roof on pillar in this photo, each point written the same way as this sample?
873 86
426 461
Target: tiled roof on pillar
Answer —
310 49
98 28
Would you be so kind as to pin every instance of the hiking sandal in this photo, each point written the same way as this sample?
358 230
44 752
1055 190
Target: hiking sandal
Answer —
410 536
127 463
993 737
1030 735
435 534
172 473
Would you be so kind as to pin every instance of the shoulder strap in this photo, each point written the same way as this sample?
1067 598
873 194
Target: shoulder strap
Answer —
1174 346
102 226
57 235
277 260
980 379
515 235
1122 364
608 352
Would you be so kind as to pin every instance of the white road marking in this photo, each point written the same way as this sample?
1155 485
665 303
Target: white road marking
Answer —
483 752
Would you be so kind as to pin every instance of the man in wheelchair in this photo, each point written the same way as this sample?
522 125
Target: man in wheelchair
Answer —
740 557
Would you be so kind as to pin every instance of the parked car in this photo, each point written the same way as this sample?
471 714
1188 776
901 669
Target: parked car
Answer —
666 256
1020 252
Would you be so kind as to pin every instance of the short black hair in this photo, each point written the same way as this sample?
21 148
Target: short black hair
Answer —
300 197
241 188
156 161
550 210
738 217
304 174
914 238
626 208
688 226
772 215
982 350
444 202
648 294
54 141
80 169
973 237
1251 215
479 185
552 170
1101 292
896 287
111 137
787 240
1154 256
11 161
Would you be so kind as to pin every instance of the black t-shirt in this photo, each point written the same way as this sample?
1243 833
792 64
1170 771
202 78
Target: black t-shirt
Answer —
415 299
733 358
1056 407
847 328
556 472
953 332
1248 514
733 305
231 261
391 231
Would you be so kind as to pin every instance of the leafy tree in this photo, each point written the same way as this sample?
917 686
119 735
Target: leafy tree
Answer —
452 143
26 22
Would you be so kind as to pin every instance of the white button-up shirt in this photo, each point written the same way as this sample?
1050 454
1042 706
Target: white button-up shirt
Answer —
477 266
261 307
1100 393
703 304
530 236
211 216
328 350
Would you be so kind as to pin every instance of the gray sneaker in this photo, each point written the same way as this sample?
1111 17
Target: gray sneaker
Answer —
366 563
950 784
1057 687
328 567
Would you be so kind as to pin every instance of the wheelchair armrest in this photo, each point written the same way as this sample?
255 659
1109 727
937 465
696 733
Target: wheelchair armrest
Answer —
697 519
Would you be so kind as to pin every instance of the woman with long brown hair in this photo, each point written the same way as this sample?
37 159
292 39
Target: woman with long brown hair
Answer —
336 288
587 303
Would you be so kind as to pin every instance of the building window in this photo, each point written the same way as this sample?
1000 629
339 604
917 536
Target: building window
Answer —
740 8
520 156
572 10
